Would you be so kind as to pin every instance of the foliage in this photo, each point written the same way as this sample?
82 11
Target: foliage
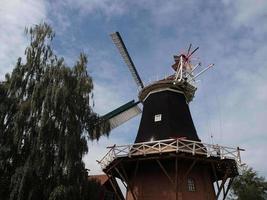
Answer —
45 119
249 186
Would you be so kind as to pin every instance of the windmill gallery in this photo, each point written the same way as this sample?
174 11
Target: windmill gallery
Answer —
167 160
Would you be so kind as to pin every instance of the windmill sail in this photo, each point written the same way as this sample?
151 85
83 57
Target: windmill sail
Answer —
122 114
116 38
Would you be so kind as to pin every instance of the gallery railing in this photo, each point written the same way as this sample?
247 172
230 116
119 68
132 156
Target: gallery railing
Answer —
171 145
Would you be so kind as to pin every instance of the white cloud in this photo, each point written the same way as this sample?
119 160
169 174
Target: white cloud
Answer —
242 108
106 7
255 154
15 15
249 13
106 98
111 88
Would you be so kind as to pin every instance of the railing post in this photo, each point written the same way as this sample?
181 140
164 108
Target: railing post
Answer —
207 150
221 152
177 145
194 148
129 151
144 149
113 151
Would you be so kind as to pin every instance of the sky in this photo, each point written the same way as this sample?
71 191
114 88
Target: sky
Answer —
231 100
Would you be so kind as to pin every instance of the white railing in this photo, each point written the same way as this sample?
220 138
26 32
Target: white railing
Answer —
171 145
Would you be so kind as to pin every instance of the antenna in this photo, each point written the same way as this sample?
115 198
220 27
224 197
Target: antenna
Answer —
116 38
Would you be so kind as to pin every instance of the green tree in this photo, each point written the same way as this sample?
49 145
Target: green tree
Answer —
45 120
249 186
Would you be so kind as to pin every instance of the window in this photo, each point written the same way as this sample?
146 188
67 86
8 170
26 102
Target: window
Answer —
157 118
191 185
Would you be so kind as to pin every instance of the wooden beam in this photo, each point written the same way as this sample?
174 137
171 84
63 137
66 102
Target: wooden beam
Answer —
223 191
113 165
176 178
135 170
228 187
165 172
114 187
170 155
128 182
190 168
215 174
123 180
222 185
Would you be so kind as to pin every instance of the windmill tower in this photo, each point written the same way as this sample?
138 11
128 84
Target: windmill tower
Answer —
167 160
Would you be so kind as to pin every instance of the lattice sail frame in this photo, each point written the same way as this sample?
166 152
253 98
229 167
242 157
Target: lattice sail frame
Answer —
116 38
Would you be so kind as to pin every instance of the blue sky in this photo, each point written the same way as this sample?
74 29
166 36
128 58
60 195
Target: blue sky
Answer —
231 99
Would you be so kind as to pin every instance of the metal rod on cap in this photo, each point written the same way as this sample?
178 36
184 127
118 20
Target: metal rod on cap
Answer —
209 66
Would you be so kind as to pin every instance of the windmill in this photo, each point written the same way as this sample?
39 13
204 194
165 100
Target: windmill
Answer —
182 78
167 159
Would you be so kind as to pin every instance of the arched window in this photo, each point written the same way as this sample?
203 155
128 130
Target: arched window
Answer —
191 185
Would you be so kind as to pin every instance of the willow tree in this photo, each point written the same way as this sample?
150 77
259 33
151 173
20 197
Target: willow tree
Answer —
45 120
